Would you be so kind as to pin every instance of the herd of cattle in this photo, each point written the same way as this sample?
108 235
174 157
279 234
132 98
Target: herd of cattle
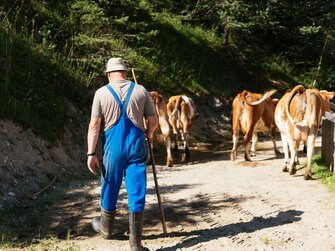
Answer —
177 114
297 115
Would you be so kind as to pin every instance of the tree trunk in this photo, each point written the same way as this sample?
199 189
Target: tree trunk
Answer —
320 62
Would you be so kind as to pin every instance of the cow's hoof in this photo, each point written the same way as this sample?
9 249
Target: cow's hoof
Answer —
285 169
169 163
247 157
293 171
307 176
252 153
277 152
187 156
233 156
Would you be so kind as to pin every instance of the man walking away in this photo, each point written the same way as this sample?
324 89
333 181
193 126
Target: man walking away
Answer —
120 107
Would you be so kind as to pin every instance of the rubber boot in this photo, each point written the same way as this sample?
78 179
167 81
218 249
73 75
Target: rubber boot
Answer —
135 231
103 224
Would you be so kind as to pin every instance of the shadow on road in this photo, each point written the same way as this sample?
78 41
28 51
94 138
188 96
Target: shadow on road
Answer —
205 235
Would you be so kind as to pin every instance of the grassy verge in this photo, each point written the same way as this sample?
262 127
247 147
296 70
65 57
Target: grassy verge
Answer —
322 173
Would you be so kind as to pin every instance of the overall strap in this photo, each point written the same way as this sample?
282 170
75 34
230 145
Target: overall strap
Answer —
125 104
117 99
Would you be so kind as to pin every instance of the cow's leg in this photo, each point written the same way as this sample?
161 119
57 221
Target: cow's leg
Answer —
247 145
169 159
305 147
296 160
175 140
185 137
286 152
173 123
310 150
273 137
294 152
233 154
253 144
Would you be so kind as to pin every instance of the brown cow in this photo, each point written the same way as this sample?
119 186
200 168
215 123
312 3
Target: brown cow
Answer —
164 125
252 113
298 115
181 111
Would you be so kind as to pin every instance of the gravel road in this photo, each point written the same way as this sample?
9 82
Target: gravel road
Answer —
216 205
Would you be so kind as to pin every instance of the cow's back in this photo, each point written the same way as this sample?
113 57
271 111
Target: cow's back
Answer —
243 113
266 119
297 110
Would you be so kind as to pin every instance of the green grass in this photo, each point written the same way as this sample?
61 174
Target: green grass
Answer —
34 86
322 173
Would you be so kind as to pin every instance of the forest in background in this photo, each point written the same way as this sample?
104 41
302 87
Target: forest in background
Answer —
52 53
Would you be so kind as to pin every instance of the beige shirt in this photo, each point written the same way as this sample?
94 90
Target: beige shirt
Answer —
140 104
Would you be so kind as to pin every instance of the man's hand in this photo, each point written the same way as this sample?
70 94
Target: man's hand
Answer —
92 139
150 136
93 164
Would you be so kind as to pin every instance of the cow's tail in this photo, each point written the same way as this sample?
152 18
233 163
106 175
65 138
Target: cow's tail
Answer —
298 88
265 96
176 110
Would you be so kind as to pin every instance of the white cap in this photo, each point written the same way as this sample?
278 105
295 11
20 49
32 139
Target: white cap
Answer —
116 64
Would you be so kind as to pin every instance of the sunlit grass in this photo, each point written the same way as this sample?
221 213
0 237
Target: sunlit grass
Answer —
322 173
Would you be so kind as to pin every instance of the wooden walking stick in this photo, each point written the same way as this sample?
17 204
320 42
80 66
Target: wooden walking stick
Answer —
161 210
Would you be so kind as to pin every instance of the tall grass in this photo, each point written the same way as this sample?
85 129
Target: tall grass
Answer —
35 81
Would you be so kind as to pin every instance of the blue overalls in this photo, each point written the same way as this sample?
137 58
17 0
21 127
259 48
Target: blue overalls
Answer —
124 153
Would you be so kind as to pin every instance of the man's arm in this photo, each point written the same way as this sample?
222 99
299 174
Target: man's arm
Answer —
150 115
152 126
92 139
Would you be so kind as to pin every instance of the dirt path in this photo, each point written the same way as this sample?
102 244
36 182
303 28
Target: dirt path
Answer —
211 205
